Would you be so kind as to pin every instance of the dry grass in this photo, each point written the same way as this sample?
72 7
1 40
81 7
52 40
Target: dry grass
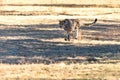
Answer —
63 60
60 2
60 71
32 46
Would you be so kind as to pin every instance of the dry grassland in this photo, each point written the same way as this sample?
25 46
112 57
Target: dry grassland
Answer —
60 71
60 2
32 45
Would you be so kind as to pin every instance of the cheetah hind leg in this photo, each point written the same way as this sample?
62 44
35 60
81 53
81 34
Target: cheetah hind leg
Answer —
75 34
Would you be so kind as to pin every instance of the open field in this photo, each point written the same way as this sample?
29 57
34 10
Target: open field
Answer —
30 39
32 45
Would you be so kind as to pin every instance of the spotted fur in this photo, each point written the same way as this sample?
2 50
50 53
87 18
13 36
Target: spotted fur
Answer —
71 26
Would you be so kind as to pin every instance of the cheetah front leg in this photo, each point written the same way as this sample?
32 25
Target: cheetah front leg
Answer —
67 38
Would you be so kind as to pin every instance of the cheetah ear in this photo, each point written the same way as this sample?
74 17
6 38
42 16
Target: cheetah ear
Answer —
59 20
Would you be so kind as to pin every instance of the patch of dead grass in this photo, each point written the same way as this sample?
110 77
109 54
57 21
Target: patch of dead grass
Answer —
60 71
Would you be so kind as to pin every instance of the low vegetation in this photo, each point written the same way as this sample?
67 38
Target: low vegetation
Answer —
60 71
